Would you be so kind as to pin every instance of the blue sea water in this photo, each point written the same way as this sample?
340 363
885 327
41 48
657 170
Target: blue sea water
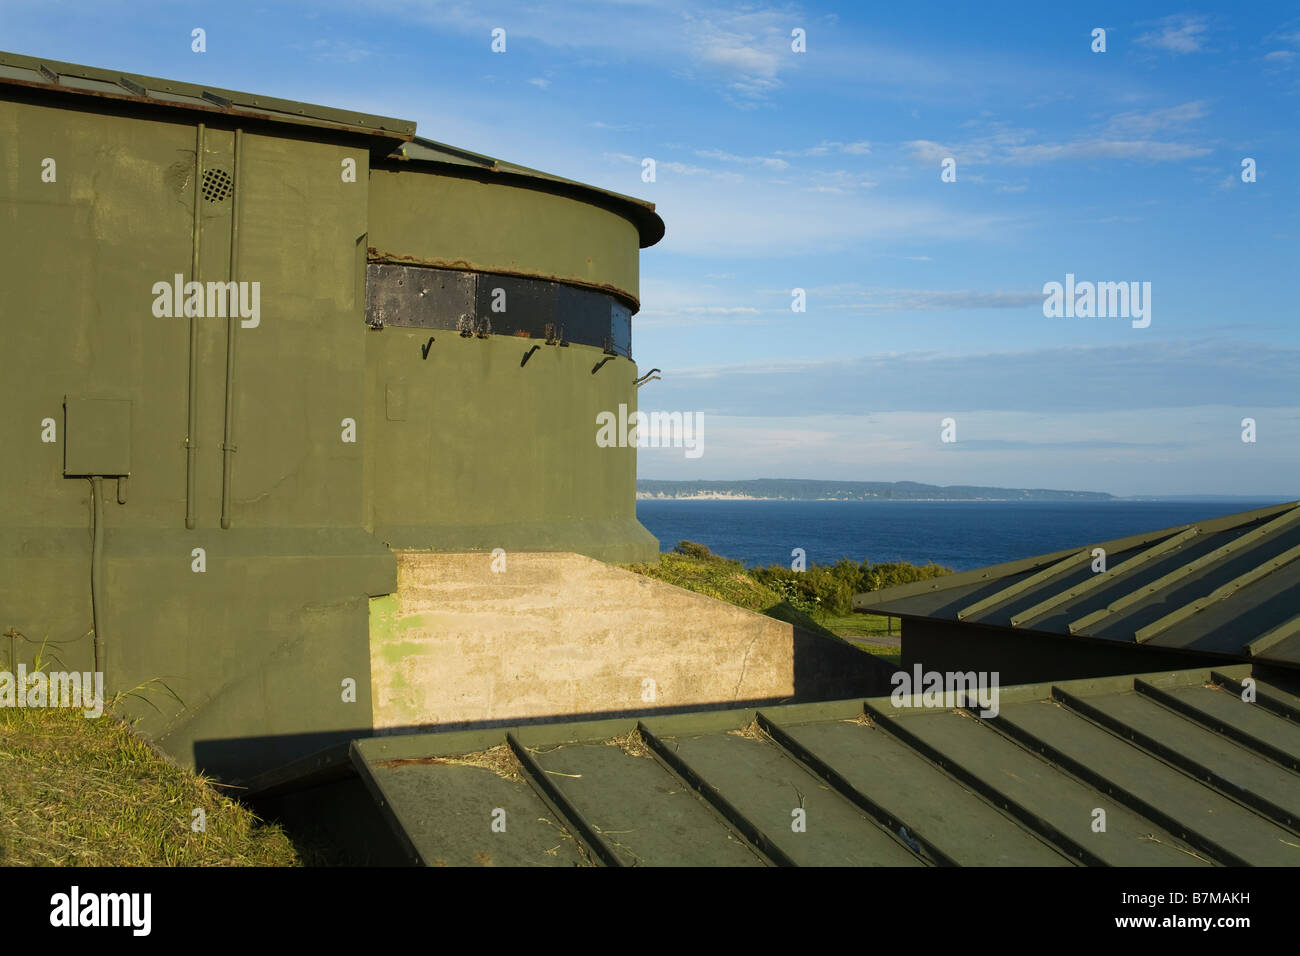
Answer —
958 534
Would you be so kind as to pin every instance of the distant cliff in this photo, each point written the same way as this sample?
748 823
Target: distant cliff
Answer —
802 489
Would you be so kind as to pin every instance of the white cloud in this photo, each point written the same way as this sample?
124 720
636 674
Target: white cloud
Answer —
1125 135
711 216
767 162
749 48
924 300
859 148
1149 121
1125 452
1141 149
1177 34
336 51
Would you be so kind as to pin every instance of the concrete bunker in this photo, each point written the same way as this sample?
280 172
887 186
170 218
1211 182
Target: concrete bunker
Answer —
226 506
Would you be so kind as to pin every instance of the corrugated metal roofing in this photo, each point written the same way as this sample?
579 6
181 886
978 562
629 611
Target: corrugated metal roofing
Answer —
54 76
1187 772
1230 586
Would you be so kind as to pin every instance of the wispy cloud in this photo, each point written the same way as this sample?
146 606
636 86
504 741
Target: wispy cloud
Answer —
1146 122
767 162
336 51
859 148
1126 135
1177 34
925 300
1159 451
748 47
1144 150
1103 378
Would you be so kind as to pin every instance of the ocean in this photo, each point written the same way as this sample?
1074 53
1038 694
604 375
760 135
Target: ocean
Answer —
958 534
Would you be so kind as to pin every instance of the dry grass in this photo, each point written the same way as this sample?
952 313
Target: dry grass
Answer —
752 731
500 759
82 792
631 743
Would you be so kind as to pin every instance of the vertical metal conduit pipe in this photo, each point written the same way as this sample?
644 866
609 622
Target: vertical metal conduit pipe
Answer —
232 323
191 435
97 573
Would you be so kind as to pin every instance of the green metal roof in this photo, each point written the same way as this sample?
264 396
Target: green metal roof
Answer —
1188 774
37 73
1230 587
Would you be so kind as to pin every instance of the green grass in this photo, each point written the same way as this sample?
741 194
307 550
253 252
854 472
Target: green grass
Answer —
89 792
892 654
728 581
861 625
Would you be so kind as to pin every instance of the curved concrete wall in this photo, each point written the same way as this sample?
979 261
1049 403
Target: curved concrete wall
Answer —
260 641
472 450
423 217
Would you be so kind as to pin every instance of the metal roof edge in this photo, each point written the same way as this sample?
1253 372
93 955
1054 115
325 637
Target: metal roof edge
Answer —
454 160
138 88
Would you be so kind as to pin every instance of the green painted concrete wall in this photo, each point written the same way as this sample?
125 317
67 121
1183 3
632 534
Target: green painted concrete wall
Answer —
470 450
489 227
488 455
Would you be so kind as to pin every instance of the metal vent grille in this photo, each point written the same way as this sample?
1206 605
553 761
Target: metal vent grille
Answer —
217 185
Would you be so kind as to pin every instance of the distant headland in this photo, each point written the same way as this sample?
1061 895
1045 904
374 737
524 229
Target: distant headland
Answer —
807 489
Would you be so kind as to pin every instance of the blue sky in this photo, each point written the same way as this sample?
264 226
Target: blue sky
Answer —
821 170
